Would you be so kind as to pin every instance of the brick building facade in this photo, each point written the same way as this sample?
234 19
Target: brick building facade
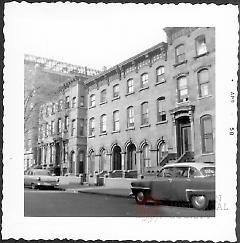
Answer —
156 107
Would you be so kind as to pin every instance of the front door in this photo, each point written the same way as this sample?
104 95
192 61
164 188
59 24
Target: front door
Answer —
186 138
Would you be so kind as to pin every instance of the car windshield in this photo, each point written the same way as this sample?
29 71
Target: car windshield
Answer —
208 171
42 172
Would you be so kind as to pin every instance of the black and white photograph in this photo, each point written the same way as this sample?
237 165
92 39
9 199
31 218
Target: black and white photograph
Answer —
114 118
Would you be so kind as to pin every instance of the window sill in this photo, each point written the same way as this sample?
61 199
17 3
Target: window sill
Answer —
145 125
203 97
115 132
143 88
162 82
129 93
180 63
130 128
161 122
116 98
91 136
206 154
91 107
104 102
201 55
102 134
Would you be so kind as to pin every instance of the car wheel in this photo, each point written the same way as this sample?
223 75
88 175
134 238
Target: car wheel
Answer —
140 197
33 186
199 202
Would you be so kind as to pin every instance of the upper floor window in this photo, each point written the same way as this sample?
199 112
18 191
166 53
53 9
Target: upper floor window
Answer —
180 53
52 127
73 131
182 89
81 127
203 82
91 127
67 102
66 123
144 113
60 105
47 130
130 87
103 96
74 102
207 133
161 113
116 90
144 80
82 101
201 47
116 121
160 74
92 101
103 123
53 108
59 125
130 116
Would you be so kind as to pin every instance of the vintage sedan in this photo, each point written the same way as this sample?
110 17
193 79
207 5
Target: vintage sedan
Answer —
185 182
36 178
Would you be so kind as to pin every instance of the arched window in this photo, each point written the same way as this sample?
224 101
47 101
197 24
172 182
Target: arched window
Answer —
116 121
144 80
144 113
161 113
130 86
207 133
103 123
162 151
201 47
180 53
203 82
146 156
182 89
130 116
92 127
103 96
92 101
160 74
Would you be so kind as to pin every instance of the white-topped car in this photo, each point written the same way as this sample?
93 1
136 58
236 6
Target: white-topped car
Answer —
36 178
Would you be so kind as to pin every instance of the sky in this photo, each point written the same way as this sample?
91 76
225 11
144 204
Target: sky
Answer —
93 35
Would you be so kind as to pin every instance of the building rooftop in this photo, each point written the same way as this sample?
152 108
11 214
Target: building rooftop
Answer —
60 67
161 47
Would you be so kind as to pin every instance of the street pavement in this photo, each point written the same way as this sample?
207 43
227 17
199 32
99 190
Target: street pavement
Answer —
88 202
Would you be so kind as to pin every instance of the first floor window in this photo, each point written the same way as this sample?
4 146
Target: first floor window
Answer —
144 113
130 116
161 114
116 121
103 124
65 151
146 156
162 151
52 127
91 127
66 123
59 125
207 133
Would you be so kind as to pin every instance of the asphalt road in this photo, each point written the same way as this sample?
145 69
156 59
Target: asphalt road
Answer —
46 203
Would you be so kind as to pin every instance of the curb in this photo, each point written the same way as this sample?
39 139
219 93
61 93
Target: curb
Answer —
104 194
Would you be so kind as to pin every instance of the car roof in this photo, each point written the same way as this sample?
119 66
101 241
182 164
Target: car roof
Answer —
198 165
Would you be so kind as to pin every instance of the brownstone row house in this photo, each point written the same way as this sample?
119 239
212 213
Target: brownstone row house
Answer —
154 108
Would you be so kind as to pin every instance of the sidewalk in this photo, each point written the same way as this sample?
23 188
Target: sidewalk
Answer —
101 190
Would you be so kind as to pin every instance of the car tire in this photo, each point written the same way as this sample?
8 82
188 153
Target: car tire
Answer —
199 202
140 197
33 186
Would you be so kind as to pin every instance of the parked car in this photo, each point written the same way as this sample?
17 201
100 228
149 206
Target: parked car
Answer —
36 178
186 182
